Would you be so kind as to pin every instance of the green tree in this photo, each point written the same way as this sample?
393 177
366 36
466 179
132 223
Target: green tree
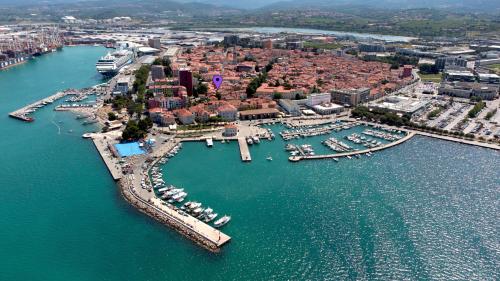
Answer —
132 131
145 124
111 116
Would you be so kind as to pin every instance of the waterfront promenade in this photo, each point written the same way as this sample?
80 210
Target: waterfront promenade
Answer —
463 141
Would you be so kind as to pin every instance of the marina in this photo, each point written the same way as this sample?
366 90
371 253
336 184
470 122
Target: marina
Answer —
24 113
349 155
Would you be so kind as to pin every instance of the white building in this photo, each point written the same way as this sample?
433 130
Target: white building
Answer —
319 98
328 108
290 106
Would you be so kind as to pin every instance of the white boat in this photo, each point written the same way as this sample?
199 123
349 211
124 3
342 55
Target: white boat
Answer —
161 190
256 140
111 63
194 205
197 211
222 221
179 196
210 142
210 217
249 140
269 158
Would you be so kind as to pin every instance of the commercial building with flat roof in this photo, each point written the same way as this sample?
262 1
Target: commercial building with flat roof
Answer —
468 90
290 106
350 97
318 98
399 105
459 75
327 108
489 78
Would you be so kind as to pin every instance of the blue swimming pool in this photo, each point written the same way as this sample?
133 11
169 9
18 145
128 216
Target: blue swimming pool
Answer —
129 149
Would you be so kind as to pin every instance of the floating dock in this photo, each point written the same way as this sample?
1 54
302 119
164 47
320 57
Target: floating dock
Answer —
244 151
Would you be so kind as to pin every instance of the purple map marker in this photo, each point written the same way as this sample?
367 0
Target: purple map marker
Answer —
217 79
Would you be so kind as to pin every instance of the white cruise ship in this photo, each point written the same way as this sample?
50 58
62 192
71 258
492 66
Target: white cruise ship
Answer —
111 63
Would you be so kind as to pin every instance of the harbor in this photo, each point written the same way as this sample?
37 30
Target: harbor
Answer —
305 221
133 177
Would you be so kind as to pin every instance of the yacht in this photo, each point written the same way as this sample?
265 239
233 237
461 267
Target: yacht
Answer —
249 140
269 158
256 140
111 63
210 217
210 142
222 221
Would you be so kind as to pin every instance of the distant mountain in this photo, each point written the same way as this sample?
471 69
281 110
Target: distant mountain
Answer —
465 5
475 5
113 8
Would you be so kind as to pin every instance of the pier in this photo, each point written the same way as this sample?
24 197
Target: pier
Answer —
22 113
102 145
244 151
351 153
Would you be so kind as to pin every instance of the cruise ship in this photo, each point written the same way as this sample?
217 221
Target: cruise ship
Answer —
111 63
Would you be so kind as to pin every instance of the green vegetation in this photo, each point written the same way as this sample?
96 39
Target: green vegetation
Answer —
380 116
428 69
490 114
277 96
141 77
136 130
476 109
395 61
255 84
495 67
326 46
111 116
200 89
436 78
352 52
435 113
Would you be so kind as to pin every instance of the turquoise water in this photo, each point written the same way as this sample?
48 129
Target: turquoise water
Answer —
424 210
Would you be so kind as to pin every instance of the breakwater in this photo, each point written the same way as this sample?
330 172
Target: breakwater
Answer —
298 158
152 208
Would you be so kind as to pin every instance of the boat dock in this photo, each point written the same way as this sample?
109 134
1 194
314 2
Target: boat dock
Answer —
244 151
351 153
22 113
